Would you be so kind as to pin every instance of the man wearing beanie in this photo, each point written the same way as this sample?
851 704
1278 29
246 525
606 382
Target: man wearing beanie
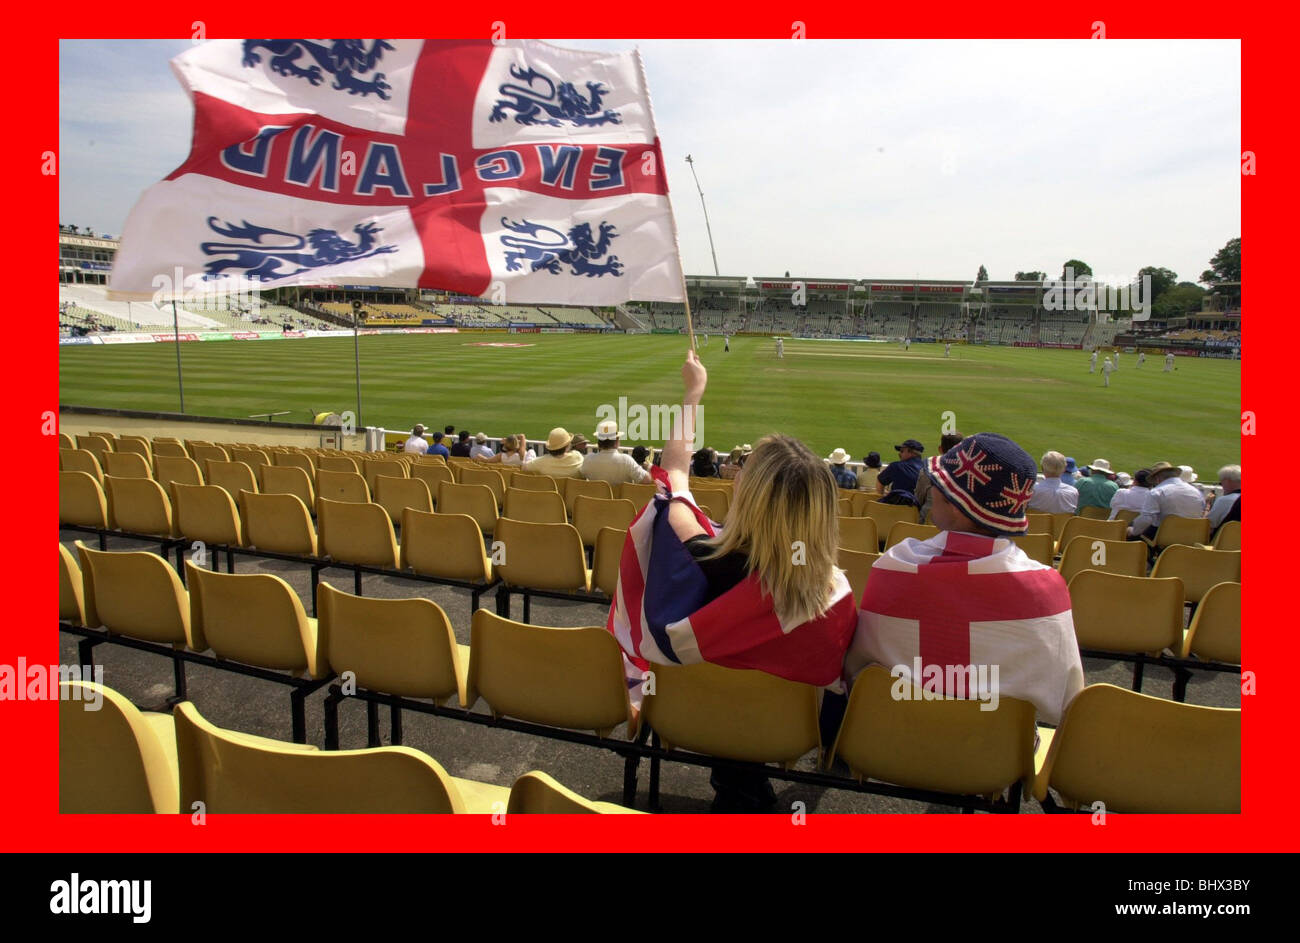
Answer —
967 610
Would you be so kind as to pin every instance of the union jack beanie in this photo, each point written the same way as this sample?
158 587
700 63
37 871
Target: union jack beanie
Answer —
989 478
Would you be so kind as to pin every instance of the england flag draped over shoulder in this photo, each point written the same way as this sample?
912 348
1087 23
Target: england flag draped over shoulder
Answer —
660 616
456 165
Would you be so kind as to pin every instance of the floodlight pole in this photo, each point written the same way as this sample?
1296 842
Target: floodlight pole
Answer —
356 358
707 227
176 335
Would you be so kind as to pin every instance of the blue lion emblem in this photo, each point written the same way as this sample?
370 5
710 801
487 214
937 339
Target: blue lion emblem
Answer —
561 102
578 249
326 247
344 59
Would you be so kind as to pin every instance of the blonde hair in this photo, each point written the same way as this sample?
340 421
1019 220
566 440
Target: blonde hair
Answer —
509 443
783 517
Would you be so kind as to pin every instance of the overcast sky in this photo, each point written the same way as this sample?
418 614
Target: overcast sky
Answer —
837 158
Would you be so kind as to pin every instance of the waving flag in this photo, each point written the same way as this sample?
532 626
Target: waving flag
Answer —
659 614
455 165
966 600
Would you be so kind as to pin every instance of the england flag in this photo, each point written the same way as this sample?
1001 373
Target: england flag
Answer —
517 170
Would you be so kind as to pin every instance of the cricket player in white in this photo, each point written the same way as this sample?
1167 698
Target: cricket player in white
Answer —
1142 357
1116 358
1092 364
947 350
1106 368
780 349
1169 361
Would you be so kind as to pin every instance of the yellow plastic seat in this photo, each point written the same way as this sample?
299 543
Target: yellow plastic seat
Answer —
856 565
1215 632
432 474
538 507
575 487
279 523
126 465
81 460
861 499
716 498
81 500
860 534
297 459
941 744
163 448
887 515
207 513
1126 515
1198 569
395 495
1137 753
560 677
116 758
449 546
1182 530
72 606
336 463
529 481
179 468
606 558
66 441
204 453
255 459
234 477
734 714
232 772
592 515
541 556
139 506
138 595
372 468
844 506
1088 527
99 444
536 793
477 501
342 486
1125 557
393 646
1094 513
639 495
356 533
255 619
902 530
1039 522
1037 547
137 444
287 479
469 475
1059 520
1228 536
1126 614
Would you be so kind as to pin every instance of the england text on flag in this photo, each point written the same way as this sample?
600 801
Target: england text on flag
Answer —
413 163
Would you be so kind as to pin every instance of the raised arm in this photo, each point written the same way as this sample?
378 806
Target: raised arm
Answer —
676 457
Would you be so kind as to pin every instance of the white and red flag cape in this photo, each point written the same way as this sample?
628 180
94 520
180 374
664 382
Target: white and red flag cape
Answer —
966 600
460 165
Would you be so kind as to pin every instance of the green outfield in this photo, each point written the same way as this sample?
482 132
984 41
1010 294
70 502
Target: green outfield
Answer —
856 396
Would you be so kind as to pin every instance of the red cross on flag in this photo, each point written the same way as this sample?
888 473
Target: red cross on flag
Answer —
516 169
962 600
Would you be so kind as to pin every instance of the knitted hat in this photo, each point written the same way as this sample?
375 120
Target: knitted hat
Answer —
988 478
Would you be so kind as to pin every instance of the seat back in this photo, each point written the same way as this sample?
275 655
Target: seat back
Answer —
1037 547
127 465
113 758
1087 527
255 459
342 486
139 506
81 500
395 495
1198 569
82 460
169 449
254 618
1138 753
1129 614
139 595
639 495
395 646
924 741
716 498
203 453
230 772
336 463
99 444
527 481
477 501
1125 557
735 714
901 530
470 475
1182 530
592 515
560 677
356 533
1039 522
1093 513
180 468
234 477
606 559
432 474
860 534
1228 536
887 515
536 793
1059 520
539 507
575 487
287 479
72 606
298 459
445 545
1215 632
540 556
279 522
66 441
372 468
856 565
208 513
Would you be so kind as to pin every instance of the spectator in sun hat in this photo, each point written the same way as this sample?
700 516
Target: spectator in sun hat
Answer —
607 463
970 598
480 448
1131 496
1052 495
558 461
1170 496
735 461
870 473
843 477
1098 487
1071 472
900 476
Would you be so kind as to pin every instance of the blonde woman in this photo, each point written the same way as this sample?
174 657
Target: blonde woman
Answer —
763 592
514 452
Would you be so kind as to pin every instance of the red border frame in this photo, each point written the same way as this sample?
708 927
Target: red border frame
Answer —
28 731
